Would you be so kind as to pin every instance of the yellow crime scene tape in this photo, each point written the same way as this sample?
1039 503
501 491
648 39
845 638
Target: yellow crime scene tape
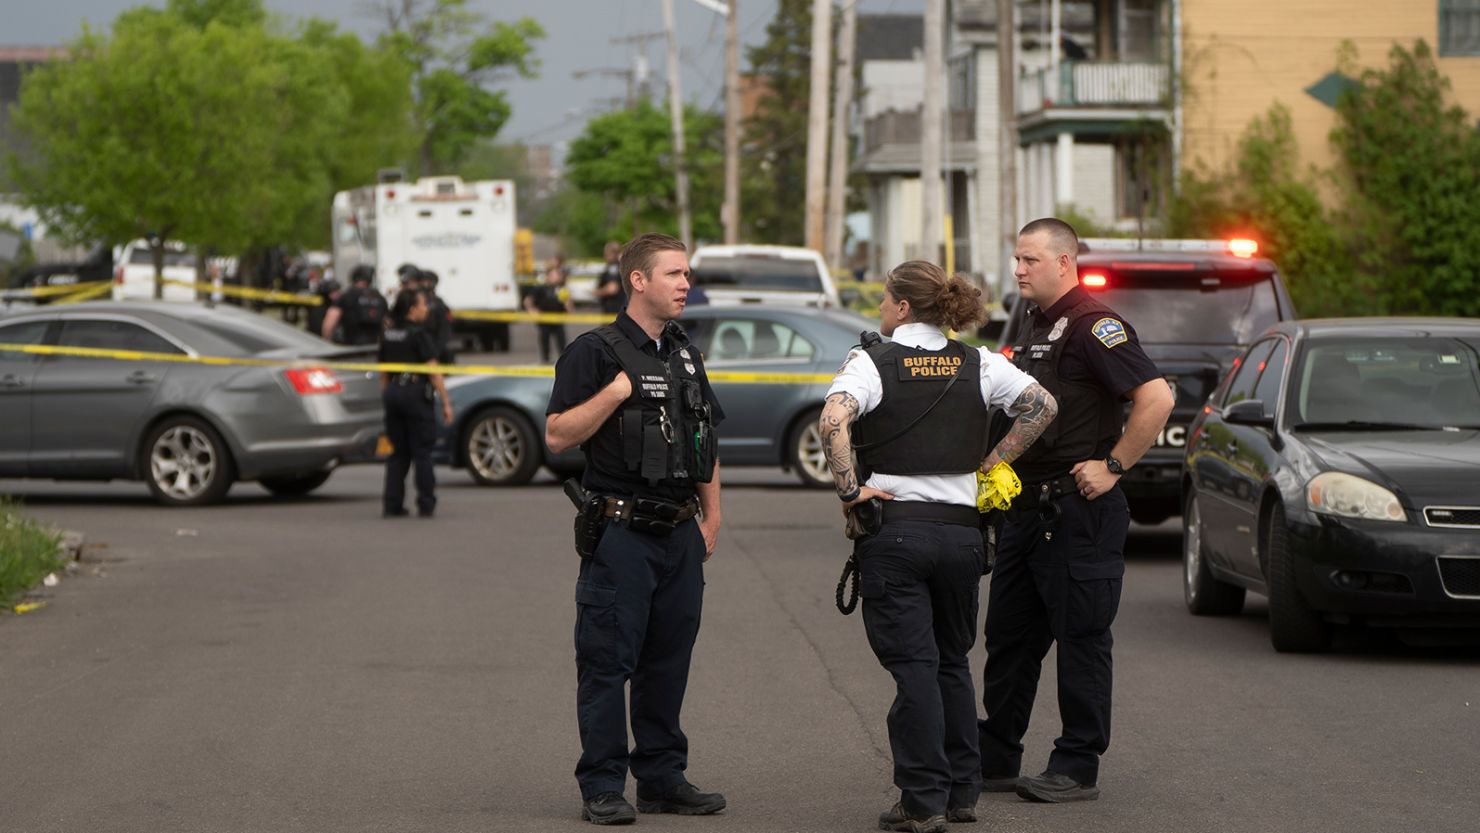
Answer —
49 291
253 293
376 367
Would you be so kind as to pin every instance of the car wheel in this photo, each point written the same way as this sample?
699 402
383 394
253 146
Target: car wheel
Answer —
186 463
501 448
1204 594
1293 626
804 448
294 485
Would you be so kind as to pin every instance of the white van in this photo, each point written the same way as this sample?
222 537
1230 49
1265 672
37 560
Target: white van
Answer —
133 272
756 274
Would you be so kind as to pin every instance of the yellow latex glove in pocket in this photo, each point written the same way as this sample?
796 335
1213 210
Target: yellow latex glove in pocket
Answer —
995 489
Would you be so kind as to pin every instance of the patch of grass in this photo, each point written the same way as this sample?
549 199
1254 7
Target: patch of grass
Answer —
28 552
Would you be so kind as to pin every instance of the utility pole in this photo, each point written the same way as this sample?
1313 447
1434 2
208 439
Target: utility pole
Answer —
675 112
817 121
1006 133
837 180
732 125
931 201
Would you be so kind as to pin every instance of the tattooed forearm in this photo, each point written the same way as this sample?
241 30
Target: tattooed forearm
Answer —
838 412
1035 408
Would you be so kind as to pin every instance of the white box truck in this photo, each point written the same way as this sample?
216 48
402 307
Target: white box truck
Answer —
463 231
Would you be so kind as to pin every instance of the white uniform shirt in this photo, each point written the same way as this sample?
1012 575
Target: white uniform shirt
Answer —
1001 383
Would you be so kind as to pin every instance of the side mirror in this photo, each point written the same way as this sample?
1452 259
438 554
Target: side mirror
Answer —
1248 412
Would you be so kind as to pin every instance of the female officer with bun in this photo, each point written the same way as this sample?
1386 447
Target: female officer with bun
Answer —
920 404
409 420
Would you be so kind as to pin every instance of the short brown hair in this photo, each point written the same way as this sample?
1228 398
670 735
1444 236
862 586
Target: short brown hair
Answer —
934 297
1061 236
640 252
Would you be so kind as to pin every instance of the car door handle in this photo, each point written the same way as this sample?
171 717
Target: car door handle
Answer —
141 377
10 380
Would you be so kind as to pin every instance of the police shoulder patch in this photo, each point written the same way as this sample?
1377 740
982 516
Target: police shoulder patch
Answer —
1109 331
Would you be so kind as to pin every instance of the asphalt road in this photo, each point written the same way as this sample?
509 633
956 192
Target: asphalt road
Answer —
271 665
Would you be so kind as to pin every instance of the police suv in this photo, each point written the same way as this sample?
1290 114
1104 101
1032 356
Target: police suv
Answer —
1195 306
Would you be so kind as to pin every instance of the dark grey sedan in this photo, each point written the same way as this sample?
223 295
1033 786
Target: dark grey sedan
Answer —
187 430
499 425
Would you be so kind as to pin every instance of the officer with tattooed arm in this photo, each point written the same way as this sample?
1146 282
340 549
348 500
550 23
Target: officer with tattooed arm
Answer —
920 405
1060 558
634 396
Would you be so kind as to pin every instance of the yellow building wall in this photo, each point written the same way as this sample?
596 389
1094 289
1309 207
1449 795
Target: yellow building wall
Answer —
1241 56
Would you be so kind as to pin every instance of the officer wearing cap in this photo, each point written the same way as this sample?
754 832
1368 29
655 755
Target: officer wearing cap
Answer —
634 396
920 406
1060 560
439 317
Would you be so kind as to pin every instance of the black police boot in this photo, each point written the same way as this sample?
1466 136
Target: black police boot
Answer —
999 783
895 818
608 808
961 815
683 799
1053 788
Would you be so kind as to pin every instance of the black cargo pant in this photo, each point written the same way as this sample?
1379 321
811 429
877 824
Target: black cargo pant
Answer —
638 601
552 341
1054 582
411 427
920 582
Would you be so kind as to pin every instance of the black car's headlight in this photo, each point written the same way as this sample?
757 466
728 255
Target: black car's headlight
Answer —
1349 496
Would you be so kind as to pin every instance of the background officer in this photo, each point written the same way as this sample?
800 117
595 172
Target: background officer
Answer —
409 417
634 396
359 315
920 572
609 285
439 317
1060 559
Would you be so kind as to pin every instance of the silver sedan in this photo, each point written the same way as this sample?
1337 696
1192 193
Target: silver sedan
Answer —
187 430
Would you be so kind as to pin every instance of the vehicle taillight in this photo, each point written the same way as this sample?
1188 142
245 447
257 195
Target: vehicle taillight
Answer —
1239 247
118 275
307 380
1093 281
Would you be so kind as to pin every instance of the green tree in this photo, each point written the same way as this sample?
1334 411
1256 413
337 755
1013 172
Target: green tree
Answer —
625 159
453 54
776 135
1410 176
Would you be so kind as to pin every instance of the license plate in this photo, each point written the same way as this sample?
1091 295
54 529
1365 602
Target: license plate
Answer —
383 447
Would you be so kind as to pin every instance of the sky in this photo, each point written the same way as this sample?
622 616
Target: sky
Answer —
549 109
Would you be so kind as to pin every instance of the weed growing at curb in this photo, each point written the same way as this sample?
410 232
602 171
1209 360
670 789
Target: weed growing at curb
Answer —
28 552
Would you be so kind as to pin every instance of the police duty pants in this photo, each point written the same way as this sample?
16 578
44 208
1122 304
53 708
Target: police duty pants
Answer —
638 601
411 427
920 582
552 341
1054 582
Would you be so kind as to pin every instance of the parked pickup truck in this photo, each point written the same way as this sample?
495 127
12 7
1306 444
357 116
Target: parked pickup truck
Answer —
755 274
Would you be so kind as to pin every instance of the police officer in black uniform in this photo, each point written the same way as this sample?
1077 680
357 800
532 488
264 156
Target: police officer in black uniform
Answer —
634 396
410 422
920 406
358 317
609 284
1060 561
439 319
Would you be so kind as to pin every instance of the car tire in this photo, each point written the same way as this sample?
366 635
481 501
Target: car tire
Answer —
1293 626
500 447
1204 594
186 463
294 485
804 452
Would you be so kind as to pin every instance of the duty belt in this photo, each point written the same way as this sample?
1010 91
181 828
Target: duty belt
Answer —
651 515
919 510
1035 495
408 379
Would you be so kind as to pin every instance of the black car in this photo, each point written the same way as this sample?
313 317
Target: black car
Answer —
1195 305
1337 471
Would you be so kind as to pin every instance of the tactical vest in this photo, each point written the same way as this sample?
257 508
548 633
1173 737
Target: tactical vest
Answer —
1088 415
665 424
951 438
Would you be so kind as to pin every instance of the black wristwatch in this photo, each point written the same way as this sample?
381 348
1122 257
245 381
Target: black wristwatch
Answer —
851 496
1114 465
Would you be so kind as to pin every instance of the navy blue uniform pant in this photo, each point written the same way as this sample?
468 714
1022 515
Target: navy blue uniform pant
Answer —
411 427
638 601
1054 583
920 582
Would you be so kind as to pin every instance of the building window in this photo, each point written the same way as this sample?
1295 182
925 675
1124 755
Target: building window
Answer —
1459 28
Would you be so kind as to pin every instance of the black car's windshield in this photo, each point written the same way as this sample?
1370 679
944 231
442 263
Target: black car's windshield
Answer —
758 272
1387 383
1191 308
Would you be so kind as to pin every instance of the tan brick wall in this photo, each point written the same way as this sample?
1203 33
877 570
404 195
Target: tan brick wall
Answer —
1241 56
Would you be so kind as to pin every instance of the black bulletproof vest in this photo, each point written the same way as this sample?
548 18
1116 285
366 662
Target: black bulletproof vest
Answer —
1088 414
665 427
951 438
